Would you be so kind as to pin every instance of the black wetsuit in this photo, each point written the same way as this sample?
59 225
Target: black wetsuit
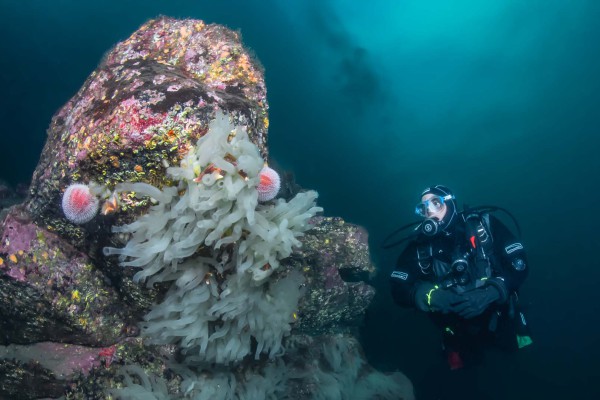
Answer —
500 262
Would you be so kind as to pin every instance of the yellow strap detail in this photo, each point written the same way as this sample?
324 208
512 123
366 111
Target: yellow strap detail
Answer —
429 295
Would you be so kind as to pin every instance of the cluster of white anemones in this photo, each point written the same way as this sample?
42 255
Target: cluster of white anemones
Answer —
218 246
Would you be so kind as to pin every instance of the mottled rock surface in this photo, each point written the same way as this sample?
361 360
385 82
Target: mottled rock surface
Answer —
69 316
334 257
145 105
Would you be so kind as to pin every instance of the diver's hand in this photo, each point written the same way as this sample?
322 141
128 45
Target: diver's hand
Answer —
476 302
428 297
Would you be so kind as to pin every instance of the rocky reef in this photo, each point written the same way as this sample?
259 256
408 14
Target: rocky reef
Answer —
74 320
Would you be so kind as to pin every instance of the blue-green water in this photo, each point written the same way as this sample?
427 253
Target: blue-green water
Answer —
371 102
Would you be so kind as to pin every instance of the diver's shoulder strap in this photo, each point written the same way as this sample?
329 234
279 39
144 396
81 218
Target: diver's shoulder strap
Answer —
479 237
486 219
478 231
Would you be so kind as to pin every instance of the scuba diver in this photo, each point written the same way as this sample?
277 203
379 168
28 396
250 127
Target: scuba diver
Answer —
464 269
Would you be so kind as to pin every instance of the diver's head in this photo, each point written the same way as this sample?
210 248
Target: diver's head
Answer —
438 207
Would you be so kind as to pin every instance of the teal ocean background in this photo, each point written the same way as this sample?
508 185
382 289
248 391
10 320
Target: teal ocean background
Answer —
370 102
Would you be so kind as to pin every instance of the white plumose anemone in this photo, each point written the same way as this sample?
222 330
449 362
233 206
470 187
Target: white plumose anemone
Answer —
211 238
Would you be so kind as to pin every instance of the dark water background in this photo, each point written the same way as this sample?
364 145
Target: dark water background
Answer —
371 102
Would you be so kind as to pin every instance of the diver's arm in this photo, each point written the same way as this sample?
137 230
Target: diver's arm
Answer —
406 277
512 268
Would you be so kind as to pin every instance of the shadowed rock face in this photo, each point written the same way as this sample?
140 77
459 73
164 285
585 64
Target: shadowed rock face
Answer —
61 301
334 257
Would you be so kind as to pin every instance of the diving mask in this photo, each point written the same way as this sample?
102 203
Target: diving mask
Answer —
432 205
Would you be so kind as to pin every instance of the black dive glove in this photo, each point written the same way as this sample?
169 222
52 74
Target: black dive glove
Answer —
428 297
476 301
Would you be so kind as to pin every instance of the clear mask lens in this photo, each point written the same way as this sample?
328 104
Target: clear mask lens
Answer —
431 206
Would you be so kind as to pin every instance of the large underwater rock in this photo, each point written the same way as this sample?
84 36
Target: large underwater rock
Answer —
71 317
